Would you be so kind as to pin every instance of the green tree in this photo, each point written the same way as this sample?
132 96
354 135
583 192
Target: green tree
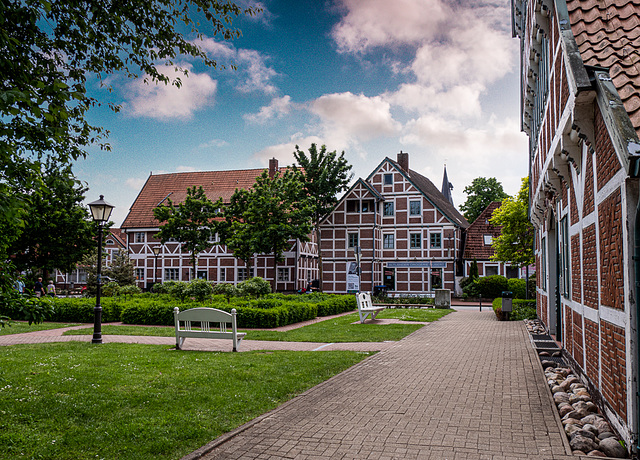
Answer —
48 50
58 229
325 176
515 244
480 194
121 270
190 222
267 217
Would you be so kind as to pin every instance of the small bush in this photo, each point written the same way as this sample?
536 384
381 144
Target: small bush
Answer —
110 289
522 309
160 314
255 287
177 289
226 289
492 286
199 289
518 287
129 290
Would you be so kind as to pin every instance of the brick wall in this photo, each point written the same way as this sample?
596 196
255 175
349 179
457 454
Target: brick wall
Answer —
588 203
542 308
614 371
611 265
592 345
574 205
576 272
608 163
578 351
590 267
568 330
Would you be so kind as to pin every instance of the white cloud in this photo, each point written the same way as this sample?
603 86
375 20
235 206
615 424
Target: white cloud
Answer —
213 143
165 102
183 168
135 183
459 101
284 152
251 67
277 108
355 117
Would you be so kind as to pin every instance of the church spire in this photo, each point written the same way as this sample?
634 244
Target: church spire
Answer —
447 186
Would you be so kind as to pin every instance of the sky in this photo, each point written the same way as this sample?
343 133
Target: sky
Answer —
437 79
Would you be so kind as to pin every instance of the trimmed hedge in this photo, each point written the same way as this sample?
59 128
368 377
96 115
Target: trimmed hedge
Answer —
269 312
522 309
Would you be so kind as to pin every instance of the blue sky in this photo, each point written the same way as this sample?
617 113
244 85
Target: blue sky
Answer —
437 79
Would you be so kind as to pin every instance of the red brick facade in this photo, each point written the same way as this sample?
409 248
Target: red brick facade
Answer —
611 268
590 264
614 372
592 344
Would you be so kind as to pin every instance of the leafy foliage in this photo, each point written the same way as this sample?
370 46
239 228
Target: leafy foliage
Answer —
255 287
226 289
200 290
515 244
121 270
480 194
190 222
263 219
325 176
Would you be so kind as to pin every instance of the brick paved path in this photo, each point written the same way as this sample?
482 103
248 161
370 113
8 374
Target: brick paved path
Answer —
465 387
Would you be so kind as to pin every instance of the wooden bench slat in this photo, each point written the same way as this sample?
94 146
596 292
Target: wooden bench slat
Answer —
366 308
205 317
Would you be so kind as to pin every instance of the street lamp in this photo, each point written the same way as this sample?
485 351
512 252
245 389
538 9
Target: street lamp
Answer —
100 210
156 251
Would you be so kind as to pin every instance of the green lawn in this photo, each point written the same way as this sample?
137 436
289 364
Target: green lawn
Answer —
20 327
334 330
127 401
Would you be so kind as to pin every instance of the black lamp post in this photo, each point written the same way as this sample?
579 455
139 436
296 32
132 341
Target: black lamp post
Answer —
100 211
156 251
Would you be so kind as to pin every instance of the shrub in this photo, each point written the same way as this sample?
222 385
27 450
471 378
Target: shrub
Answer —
225 289
147 313
177 289
129 290
254 287
81 310
517 286
492 286
110 289
199 289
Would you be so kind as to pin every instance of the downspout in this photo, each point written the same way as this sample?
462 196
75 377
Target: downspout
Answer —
373 254
636 265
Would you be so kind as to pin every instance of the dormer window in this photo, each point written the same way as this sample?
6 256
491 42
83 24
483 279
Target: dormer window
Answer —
488 240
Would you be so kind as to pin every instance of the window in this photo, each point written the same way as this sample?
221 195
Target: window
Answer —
388 179
140 274
436 278
512 272
171 274
222 275
564 255
488 240
283 274
352 240
367 206
82 275
139 237
490 271
172 240
388 241
243 274
109 241
353 205
435 240
415 240
388 209
414 208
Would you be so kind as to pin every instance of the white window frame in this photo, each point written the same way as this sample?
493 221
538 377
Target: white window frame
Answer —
388 209
388 241
222 275
488 240
139 237
171 274
351 238
432 243
388 176
283 274
140 274
412 240
412 211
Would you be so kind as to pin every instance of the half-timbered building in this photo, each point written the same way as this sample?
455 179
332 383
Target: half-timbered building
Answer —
478 246
299 268
400 228
580 105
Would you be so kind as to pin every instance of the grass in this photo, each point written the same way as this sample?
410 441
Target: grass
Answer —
333 330
21 327
127 401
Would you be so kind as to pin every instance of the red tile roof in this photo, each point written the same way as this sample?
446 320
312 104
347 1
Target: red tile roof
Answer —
608 35
475 247
119 236
216 184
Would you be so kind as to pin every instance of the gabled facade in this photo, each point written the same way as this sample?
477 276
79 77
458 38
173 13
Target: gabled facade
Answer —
115 243
217 264
479 246
409 235
580 105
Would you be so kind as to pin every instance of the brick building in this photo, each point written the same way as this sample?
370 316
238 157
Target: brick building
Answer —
580 107
215 264
410 236
478 246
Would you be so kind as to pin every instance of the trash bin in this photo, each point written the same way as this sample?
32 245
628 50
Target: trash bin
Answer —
507 301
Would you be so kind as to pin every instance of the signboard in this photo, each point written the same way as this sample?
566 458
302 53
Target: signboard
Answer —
422 264
353 278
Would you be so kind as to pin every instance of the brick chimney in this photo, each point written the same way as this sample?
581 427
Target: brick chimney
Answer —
403 160
273 167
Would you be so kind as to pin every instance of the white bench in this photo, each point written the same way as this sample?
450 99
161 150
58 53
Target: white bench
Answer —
366 308
213 325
